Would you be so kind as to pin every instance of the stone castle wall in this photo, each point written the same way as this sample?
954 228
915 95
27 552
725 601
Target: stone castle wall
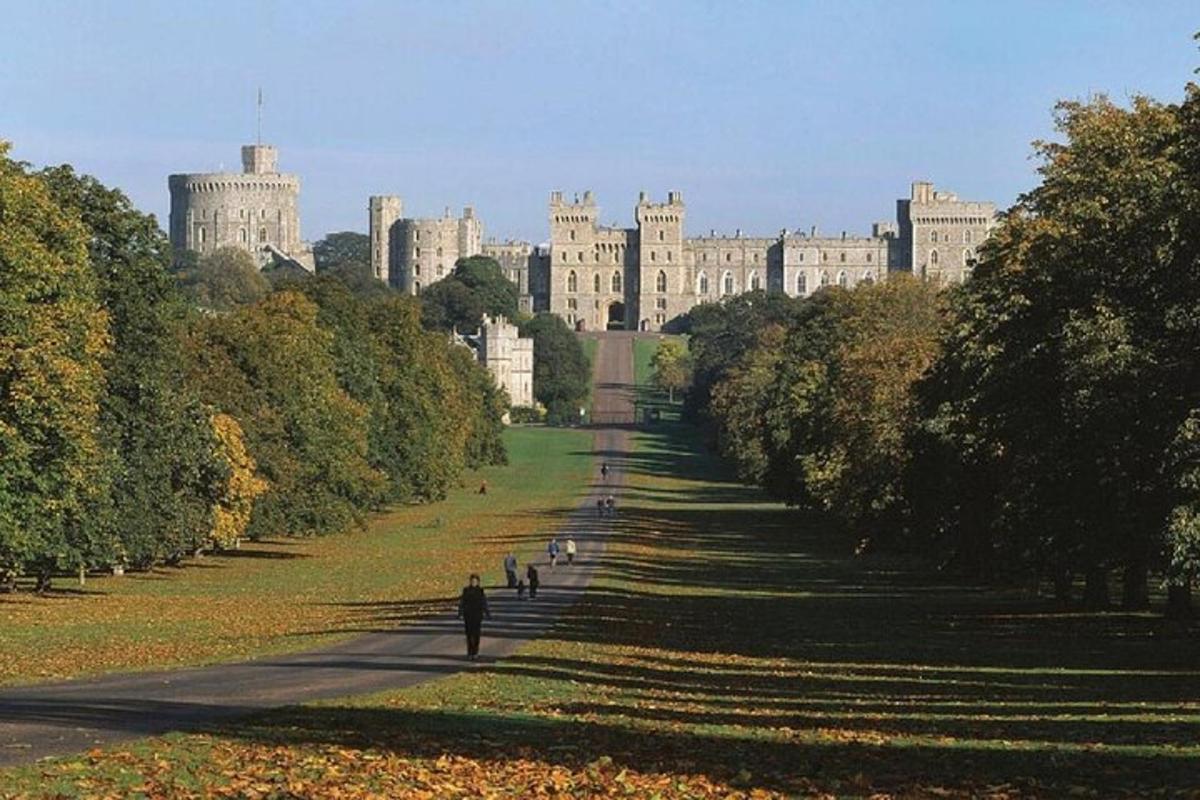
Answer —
256 210
409 253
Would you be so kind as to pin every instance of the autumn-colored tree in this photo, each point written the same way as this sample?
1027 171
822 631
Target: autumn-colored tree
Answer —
242 486
672 369
53 339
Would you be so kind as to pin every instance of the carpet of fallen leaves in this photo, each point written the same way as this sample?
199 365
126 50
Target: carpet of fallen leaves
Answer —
293 594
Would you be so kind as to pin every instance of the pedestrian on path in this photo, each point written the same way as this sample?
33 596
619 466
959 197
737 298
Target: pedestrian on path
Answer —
604 471
510 570
552 550
600 507
610 506
472 608
521 589
570 551
532 573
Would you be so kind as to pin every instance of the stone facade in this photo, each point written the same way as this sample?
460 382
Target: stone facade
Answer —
643 277
508 357
256 210
519 261
409 253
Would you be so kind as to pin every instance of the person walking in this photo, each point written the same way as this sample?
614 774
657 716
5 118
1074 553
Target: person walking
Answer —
610 506
472 608
604 471
570 551
531 574
600 507
552 550
510 570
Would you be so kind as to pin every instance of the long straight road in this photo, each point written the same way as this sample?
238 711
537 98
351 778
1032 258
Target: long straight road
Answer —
67 717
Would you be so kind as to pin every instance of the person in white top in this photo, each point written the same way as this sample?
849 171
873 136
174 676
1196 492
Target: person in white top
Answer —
570 552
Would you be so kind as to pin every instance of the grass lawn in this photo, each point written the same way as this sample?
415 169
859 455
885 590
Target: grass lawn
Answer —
643 375
730 648
292 594
590 346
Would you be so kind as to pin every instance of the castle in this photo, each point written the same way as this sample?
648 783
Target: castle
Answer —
508 356
256 210
641 278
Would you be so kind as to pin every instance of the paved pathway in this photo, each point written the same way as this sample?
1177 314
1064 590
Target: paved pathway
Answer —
53 719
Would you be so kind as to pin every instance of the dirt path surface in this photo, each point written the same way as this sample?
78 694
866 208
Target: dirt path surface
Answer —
60 718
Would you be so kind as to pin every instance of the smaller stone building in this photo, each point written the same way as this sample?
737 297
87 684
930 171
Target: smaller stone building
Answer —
519 262
256 210
509 357
409 253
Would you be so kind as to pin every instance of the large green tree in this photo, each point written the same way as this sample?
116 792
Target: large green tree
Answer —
53 341
561 372
225 279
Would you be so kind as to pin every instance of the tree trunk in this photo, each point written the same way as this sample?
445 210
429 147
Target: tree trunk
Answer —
1179 602
1095 590
1063 583
1135 587
43 583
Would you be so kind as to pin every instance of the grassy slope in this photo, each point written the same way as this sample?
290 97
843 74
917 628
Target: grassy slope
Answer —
293 594
590 347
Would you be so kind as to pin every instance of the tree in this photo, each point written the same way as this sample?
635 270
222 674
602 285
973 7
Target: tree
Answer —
53 340
344 247
449 305
485 278
672 370
224 280
561 372
234 502
157 436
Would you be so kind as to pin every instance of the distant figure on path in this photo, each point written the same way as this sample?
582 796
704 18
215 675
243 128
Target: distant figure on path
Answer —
570 552
610 506
532 574
552 550
510 570
472 608
604 471
599 506
521 589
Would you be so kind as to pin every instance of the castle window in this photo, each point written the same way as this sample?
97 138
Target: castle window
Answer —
439 252
596 256
201 233
660 236
660 302
653 256
616 282
262 213
842 280
564 255
824 256
572 234
660 282
596 283
242 213
262 234
868 258
801 258
616 257
728 257
417 234
727 283
440 270
823 279
242 236
933 237
416 287
572 282
668 255
933 257
703 284
868 278
966 237
416 269
704 257
801 284
754 285
572 303
842 258
968 257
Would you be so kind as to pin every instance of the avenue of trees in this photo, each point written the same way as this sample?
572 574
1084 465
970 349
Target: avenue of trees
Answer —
147 415
1040 421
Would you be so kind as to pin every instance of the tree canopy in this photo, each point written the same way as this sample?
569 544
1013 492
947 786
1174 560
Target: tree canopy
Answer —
561 372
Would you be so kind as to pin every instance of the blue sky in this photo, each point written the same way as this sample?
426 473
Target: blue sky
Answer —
764 114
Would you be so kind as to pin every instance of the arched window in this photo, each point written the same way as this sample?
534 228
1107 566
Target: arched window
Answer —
801 284
262 234
933 236
416 287
660 236
660 282
616 282
572 281
668 256
868 258
564 255
242 236
727 283
966 237
653 256
933 257
439 252
572 235
823 279
842 257
200 233
968 257
728 257
616 257
596 283
579 256
842 280
596 256
702 283
754 285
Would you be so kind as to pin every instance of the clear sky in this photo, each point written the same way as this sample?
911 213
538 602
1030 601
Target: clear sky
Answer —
764 114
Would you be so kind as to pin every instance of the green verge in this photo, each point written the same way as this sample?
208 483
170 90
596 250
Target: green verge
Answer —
292 594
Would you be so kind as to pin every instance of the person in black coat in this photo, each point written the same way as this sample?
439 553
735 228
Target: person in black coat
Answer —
472 608
532 574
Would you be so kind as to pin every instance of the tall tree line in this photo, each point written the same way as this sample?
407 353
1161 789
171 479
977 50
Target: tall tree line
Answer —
1041 420
138 428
